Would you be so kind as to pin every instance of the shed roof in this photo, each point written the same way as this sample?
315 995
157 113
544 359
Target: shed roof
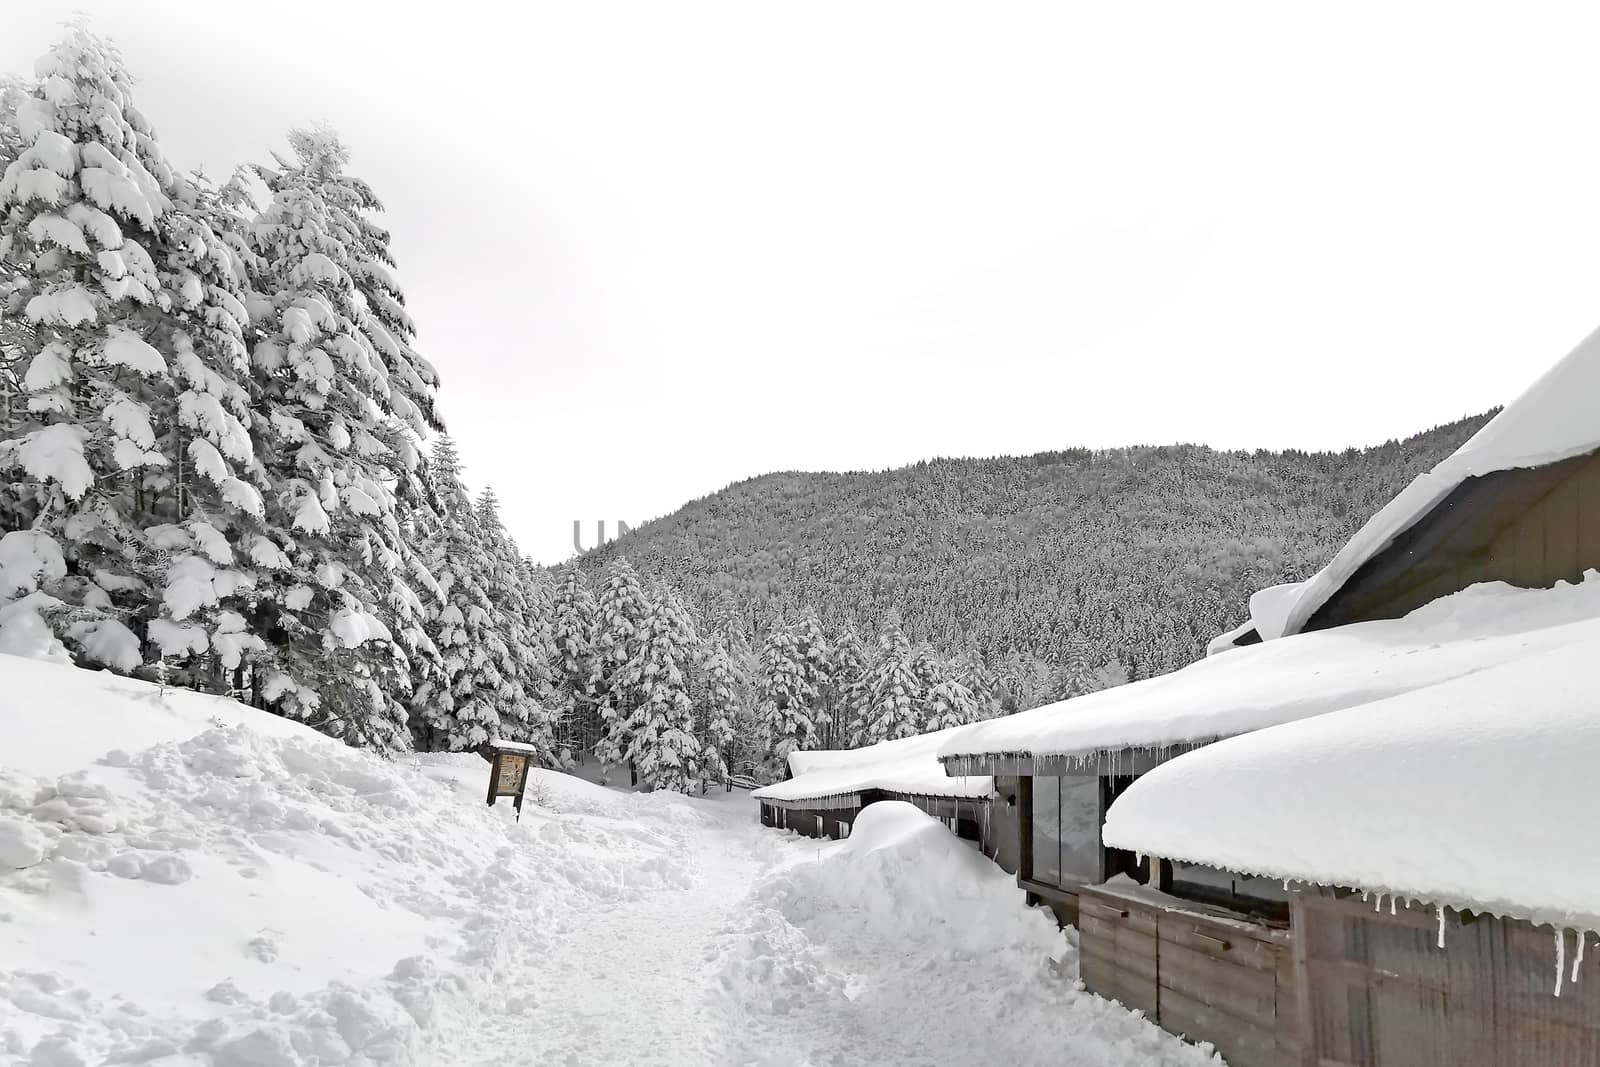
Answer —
1474 793
1552 421
1281 681
910 765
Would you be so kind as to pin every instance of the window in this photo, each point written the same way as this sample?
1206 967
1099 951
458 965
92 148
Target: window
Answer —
1066 831
1229 889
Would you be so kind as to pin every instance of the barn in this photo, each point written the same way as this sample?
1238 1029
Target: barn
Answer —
1477 565
828 788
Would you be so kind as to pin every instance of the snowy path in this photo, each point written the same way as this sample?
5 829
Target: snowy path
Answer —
635 982
767 955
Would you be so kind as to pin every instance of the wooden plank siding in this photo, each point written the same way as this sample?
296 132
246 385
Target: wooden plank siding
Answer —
1530 527
1198 972
1379 992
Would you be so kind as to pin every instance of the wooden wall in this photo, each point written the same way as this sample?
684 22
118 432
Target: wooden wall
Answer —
1197 971
1530 528
1379 992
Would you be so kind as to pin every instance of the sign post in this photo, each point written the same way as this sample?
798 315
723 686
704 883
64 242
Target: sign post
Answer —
508 771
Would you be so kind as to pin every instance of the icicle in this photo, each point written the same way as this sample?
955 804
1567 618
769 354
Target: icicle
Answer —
1286 885
1377 905
1561 958
1578 959
1391 905
1441 925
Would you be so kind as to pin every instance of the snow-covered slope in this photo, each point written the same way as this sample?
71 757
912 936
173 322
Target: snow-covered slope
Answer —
909 765
1303 675
1474 793
184 875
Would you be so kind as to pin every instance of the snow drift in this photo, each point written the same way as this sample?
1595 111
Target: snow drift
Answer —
904 932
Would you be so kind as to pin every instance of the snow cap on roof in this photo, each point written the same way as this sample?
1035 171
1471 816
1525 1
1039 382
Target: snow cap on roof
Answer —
1552 421
1472 794
909 765
1308 674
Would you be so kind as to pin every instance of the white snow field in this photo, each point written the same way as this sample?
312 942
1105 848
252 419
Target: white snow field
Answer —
186 881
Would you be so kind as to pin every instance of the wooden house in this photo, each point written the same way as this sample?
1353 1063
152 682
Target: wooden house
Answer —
827 789
1208 948
1446 867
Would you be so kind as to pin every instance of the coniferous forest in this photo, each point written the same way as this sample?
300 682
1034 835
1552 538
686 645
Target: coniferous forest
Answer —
226 466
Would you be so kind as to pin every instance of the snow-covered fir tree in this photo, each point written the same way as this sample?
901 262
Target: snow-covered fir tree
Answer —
521 655
722 704
618 617
661 742
788 694
950 704
572 632
136 502
345 399
894 697
841 692
465 712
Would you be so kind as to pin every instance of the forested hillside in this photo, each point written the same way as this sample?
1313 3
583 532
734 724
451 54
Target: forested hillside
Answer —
1142 554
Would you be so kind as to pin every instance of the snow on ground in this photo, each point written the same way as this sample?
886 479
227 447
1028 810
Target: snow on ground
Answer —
184 881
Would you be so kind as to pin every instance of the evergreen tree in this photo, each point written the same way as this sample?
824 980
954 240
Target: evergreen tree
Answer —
841 693
894 694
136 466
619 616
722 706
345 399
522 652
464 714
788 693
573 660
950 704
660 730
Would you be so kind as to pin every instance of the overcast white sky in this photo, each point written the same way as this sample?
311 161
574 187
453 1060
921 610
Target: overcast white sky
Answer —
655 248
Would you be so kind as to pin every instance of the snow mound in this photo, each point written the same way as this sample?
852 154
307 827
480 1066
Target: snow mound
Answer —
905 932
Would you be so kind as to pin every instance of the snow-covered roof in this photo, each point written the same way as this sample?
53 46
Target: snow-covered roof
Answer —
910 765
1474 793
1296 677
1552 421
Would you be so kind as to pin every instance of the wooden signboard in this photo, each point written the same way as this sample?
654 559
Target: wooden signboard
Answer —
508 776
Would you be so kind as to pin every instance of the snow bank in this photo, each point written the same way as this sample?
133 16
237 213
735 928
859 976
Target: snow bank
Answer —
1474 793
1552 421
189 880
915 949
1303 675
909 765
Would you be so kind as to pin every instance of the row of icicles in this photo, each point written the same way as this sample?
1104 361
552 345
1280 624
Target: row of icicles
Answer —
1563 974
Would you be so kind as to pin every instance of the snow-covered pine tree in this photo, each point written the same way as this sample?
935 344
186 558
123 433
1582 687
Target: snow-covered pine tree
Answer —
661 740
722 705
572 632
139 494
344 400
816 658
970 670
522 654
846 664
464 713
618 617
787 696
950 704
894 694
